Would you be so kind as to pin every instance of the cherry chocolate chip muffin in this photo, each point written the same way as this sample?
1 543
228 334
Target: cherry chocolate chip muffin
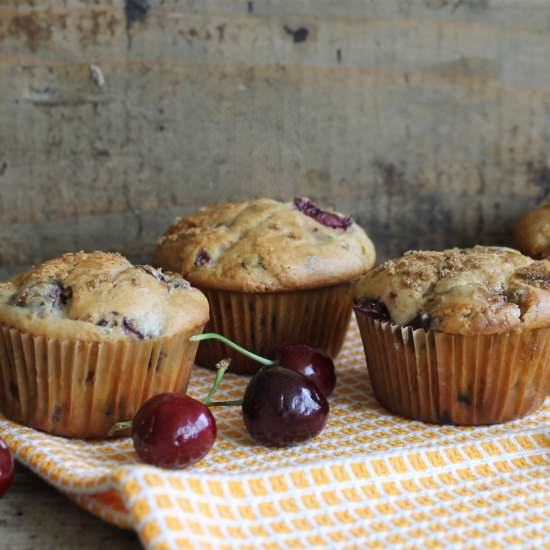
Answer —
460 336
532 232
86 338
274 273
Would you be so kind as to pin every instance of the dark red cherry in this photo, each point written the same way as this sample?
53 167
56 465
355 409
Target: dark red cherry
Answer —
313 363
7 467
282 407
172 430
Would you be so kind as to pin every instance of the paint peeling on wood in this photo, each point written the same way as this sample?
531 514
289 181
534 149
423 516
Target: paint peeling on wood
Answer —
298 35
31 29
56 97
538 174
136 11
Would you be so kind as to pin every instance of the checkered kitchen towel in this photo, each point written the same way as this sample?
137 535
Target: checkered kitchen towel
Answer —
370 480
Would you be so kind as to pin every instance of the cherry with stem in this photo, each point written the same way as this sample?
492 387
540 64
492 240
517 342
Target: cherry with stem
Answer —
313 363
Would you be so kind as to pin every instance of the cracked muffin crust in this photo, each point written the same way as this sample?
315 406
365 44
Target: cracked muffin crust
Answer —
100 296
264 245
532 232
480 290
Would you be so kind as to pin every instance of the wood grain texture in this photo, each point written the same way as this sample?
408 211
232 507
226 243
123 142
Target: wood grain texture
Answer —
33 515
427 119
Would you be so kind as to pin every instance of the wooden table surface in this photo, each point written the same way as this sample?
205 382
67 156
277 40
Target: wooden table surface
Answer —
34 515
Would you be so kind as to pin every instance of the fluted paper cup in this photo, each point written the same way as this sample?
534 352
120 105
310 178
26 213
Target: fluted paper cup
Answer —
455 379
80 388
262 322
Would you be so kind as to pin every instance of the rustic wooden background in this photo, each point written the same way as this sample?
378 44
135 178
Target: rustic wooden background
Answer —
428 120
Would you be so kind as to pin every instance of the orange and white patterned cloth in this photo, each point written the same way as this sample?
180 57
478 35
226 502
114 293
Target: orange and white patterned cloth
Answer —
370 480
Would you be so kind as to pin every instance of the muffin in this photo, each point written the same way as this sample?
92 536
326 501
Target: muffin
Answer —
86 338
274 273
460 336
532 232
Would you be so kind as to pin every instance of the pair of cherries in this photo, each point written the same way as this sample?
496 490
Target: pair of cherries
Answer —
285 403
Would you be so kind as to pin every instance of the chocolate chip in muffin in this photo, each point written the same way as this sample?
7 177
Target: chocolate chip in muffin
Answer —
373 308
42 297
464 399
162 356
56 414
157 274
423 320
130 327
65 294
178 282
330 219
14 391
54 293
202 257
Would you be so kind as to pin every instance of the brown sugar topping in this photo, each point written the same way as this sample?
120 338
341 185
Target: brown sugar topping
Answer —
478 290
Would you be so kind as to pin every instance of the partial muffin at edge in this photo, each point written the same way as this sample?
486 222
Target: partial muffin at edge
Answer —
532 232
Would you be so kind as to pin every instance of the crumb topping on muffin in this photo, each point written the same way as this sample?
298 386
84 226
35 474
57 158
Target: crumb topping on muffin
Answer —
100 295
532 232
264 245
480 290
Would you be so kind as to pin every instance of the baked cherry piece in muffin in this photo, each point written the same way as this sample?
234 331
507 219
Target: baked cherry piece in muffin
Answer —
459 336
480 290
98 295
274 272
87 337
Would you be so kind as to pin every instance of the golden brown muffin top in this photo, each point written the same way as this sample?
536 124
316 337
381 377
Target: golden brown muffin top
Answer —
480 290
100 296
264 245
532 232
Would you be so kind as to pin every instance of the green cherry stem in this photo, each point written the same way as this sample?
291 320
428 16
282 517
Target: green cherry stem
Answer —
221 367
231 344
119 426
233 403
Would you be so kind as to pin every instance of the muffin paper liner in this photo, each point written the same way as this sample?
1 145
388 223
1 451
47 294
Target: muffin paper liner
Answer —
455 379
262 322
80 388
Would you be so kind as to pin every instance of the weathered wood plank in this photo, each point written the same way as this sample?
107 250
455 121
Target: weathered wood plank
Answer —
33 515
428 120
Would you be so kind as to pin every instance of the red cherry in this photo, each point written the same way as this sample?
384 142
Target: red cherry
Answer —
171 430
7 468
282 407
313 363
